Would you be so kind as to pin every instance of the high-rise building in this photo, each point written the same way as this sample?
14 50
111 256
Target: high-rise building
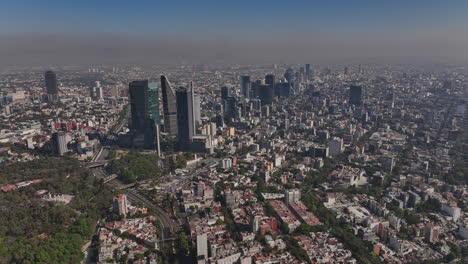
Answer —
256 104
431 233
51 85
100 93
225 92
92 92
270 81
308 72
355 93
266 94
169 106
387 163
185 117
245 86
346 70
255 222
120 205
202 248
144 105
231 110
219 121
289 75
60 142
196 109
139 104
282 89
335 146
292 195
153 97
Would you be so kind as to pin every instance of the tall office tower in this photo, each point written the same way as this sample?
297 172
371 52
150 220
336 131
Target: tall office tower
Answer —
154 102
308 72
196 109
231 111
245 86
100 93
387 163
202 248
120 205
220 121
154 116
138 93
185 117
255 223
355 93
92 92
270 81
169 106
360 69
225 92
292 195
144 107
51 85
284 89
266 94
346 70
335 146
289 75
431 233
256 104
60 142
115 91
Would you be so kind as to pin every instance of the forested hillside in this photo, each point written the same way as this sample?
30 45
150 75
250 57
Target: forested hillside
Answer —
36 231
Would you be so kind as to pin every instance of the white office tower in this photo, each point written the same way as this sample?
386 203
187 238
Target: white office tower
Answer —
100 93
202 248
196 109
336 146
292 195
120 205
388 163
60 140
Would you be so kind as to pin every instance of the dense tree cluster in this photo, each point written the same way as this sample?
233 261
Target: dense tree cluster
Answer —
36 231
361 249
135 166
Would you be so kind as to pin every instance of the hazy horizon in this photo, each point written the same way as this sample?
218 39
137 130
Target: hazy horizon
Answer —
152 32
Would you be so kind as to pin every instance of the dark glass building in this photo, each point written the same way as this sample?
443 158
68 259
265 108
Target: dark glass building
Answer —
169 106
51 85
154 102
185 117
308 72
144 107
355 93
225 92
270 81
245 86
289 75
265 94
282 89
231 110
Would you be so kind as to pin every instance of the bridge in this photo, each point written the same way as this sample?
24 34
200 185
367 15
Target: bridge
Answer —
110 178
95 164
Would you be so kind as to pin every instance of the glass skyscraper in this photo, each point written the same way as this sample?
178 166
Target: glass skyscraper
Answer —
153 96
144 103
169 106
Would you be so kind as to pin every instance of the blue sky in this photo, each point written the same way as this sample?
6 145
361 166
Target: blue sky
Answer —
224 17
35 31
